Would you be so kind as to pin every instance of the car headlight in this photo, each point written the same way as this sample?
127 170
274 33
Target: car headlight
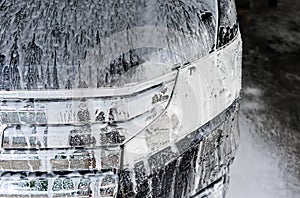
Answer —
203 90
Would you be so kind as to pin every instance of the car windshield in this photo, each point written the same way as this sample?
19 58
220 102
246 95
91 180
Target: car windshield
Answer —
63 44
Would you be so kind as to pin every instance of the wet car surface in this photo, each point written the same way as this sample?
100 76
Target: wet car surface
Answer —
118 98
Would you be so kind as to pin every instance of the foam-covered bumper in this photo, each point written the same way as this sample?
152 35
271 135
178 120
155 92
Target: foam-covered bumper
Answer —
199 167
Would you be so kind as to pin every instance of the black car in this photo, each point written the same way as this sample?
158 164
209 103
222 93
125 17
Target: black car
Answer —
149 87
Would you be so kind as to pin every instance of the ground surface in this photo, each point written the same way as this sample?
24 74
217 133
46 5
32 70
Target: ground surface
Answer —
268 160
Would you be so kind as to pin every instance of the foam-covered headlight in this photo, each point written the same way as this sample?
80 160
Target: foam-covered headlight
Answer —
203 90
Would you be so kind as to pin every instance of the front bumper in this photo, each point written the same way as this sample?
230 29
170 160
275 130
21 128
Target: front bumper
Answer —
197 165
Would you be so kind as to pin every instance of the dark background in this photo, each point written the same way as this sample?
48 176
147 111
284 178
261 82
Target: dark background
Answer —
268 159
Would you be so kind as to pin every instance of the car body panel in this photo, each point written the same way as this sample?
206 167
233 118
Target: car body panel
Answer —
118 98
